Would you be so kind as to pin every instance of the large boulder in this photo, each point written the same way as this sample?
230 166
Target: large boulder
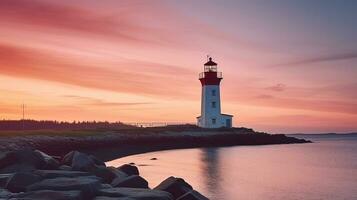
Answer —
133 181
6 158
20 161
82 162
19 181
192 195
50 162
67 159
107 174
129 169
46 174
136 193
3 179
85 184
97 161
18 168
118 173
175 186
50 195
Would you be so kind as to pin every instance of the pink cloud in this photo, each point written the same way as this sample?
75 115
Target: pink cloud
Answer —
277 88
130 76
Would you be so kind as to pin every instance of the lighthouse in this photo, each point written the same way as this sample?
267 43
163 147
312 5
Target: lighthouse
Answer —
211 116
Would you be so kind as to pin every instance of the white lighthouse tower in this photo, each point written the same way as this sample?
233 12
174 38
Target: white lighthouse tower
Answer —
211 116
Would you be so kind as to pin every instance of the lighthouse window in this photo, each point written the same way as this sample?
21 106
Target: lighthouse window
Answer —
213 104
213 120
213 92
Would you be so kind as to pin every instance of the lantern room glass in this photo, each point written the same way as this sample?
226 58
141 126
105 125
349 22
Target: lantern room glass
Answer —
209 68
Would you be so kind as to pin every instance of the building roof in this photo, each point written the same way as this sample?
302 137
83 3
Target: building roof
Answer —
227 115
210 62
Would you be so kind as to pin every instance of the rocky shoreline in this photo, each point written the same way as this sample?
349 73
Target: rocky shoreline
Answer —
28 172
32 174
109 145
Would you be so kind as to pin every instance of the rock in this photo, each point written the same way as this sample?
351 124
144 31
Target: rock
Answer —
67 159
153 158
133 181
107 174
7 158
5 194
65 168
118 173
46 174
97 161
192 195
175 186
50 195
18 168
136 193
50 162
112 198
82 162
19 181
104 186
20 161
3 179
129 169
87 185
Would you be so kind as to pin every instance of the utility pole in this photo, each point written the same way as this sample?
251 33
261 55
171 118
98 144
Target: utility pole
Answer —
23 116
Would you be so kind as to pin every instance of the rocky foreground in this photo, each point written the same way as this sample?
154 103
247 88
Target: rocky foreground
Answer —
32 174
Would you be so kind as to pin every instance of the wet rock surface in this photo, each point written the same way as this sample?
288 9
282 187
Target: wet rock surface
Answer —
47 174
86 184
176 186
30 175
50 195
193 194
136 193
133 181
19 181
129 169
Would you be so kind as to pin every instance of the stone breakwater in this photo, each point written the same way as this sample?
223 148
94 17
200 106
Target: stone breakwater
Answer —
128 142
32 174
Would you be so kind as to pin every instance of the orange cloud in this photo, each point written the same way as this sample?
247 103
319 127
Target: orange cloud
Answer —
130 76
88 101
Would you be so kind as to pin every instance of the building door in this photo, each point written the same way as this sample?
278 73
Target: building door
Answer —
228 123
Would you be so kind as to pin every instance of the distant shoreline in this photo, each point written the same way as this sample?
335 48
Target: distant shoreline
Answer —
315 134
109 145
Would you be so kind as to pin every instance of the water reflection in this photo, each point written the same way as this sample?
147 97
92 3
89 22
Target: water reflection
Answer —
211 170
325 170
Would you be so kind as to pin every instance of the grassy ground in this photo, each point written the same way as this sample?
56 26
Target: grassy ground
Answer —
131 131
72 133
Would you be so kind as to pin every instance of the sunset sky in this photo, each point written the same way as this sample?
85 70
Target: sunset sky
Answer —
288 66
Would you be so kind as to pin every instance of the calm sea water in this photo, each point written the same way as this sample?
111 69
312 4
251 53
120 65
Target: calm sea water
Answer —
325 169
